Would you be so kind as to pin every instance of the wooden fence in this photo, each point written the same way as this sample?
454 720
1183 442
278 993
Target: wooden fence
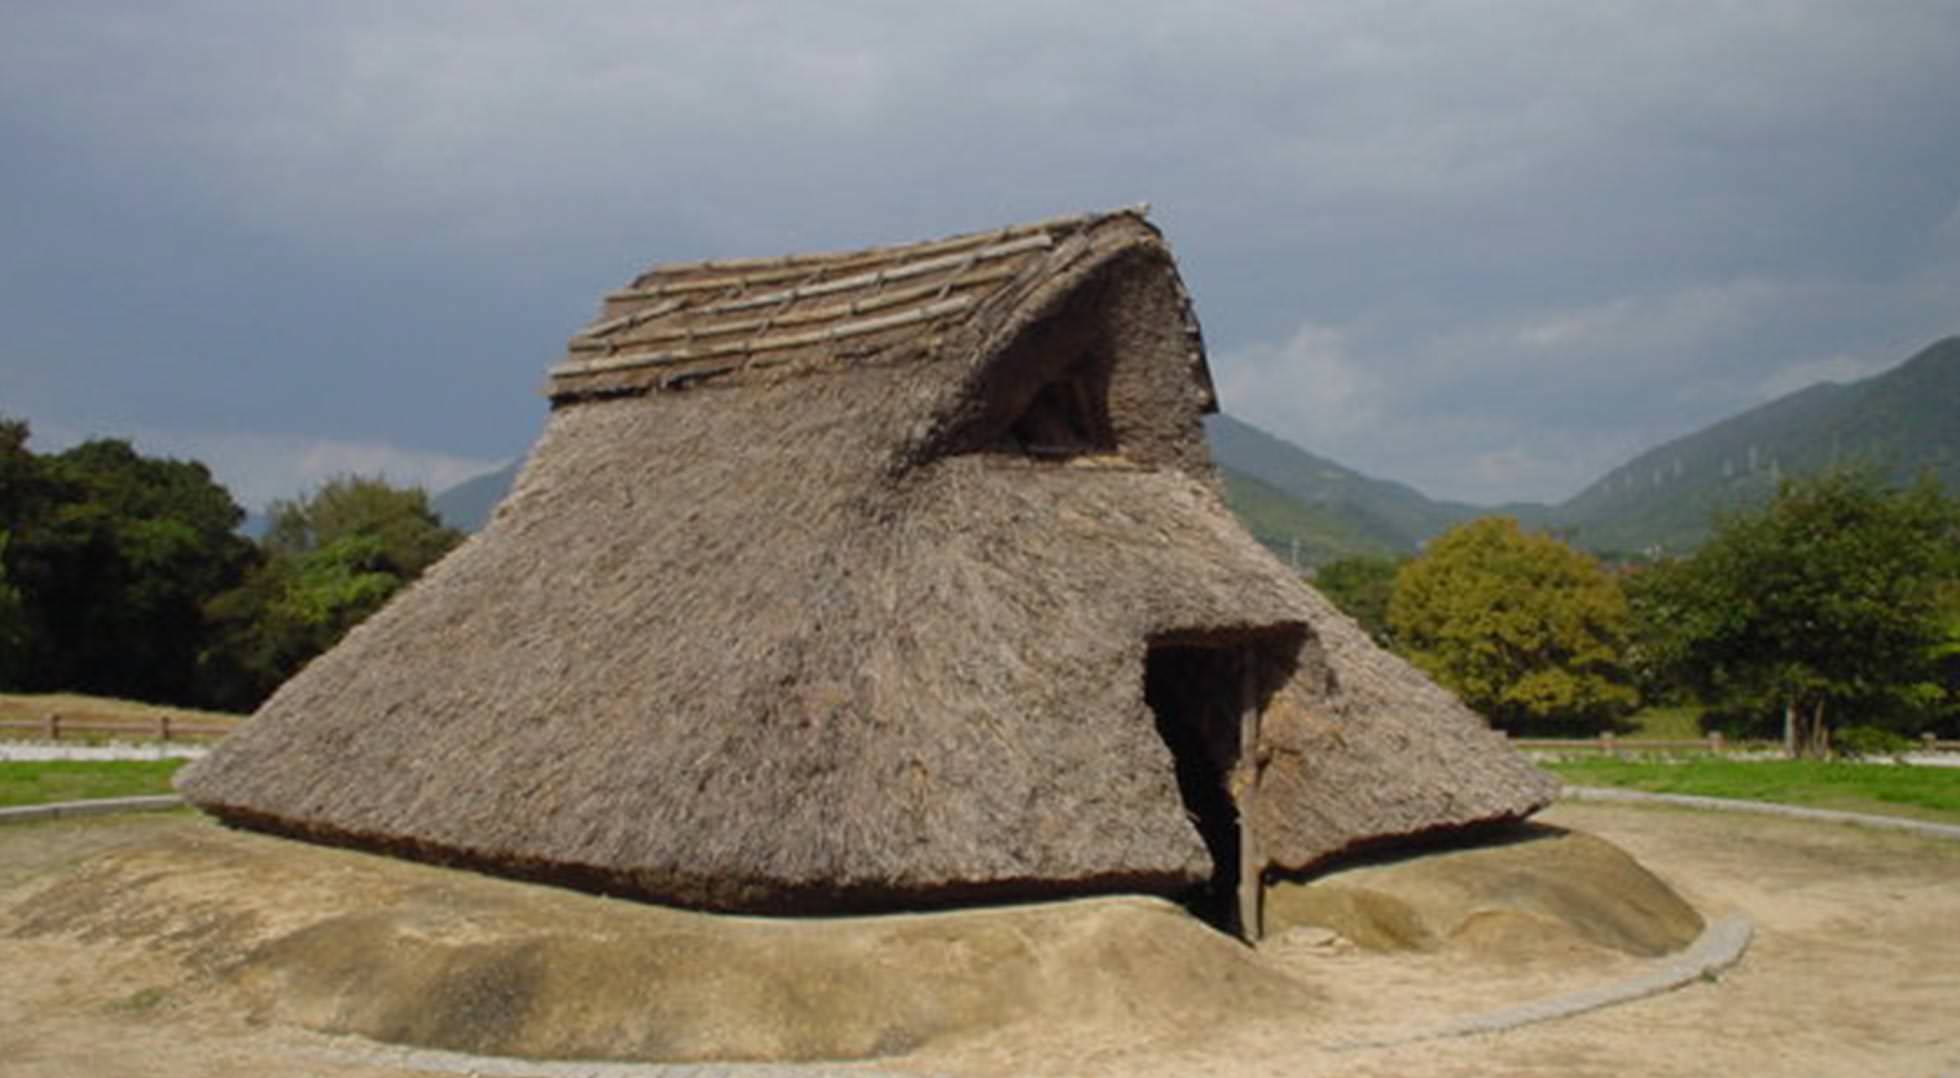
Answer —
1713 743
162 726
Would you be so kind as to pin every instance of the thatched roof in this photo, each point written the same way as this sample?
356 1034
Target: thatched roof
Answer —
684 323
811 613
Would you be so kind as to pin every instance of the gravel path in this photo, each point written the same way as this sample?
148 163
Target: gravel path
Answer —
152 750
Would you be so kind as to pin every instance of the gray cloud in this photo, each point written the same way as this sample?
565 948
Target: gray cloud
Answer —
1489 249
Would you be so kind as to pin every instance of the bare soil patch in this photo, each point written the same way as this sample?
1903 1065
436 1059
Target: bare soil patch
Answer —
1534 889
31 708
167 946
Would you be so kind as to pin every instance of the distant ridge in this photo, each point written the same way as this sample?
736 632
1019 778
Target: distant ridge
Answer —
467 505
1302 535
1902 422
1388 515
1312 510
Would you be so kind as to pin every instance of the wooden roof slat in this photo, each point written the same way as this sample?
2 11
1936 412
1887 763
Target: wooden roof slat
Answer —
600 329
841 331
736 314
1062 222
880 301
903 271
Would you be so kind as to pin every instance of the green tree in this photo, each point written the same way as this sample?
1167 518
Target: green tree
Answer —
23 497
1824 604
113 555
411 536
1654 594
23 487
332 559
13 622
291 608
1945 655
1525 629
1361 586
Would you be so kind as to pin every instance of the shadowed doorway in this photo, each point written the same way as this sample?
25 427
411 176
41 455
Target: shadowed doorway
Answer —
1198 697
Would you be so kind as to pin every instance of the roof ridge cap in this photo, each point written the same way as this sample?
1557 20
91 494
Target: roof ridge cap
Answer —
1062 222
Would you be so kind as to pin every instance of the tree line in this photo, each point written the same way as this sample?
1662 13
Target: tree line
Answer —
1832 610
125 575
1834 607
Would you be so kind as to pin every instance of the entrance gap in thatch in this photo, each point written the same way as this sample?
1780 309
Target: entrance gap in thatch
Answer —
1197 696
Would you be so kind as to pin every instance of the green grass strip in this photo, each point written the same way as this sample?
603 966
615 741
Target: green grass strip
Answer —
44 782
1924 793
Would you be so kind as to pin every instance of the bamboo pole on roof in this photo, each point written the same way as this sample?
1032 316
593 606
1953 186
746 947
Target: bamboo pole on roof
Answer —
862 305
843 331
600 329
752 266
904 271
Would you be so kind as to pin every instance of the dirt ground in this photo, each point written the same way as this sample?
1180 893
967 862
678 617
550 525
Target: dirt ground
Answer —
1855 970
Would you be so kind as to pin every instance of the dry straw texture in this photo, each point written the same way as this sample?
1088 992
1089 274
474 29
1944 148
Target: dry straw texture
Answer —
808 627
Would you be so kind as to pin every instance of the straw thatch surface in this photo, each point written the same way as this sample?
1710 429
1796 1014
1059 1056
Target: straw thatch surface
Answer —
862 626
1378 752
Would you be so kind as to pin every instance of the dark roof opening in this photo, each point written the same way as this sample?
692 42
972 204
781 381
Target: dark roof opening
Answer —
1066 417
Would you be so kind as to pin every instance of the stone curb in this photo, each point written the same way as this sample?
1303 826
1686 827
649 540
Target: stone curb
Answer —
1730 804
1719 947
429 1060
102 807
45 751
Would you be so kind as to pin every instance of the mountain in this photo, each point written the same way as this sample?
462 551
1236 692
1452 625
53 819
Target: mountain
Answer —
1384 516
1312 510
467 505
1300 534
1902 422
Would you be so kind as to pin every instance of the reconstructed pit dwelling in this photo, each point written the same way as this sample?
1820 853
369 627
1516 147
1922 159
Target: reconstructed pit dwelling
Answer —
887 579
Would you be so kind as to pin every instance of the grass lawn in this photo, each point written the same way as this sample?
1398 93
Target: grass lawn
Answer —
1924 793
40 782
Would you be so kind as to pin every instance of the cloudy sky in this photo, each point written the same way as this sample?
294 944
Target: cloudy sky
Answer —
1491 249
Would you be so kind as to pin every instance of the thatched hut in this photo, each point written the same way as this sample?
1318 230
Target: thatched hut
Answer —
882 579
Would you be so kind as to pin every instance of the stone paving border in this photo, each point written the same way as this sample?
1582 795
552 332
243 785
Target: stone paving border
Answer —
39 751
364 1052
101 807
1731 804
1719 947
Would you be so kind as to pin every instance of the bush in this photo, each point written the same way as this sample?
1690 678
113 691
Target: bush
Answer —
1862 742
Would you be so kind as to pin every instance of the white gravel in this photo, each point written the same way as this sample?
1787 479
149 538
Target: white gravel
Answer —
148 750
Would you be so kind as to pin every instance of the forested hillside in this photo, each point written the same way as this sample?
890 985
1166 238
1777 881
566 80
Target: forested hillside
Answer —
1386 515
1901 423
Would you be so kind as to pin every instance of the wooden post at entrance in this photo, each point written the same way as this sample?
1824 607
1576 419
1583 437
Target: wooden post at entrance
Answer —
1251 860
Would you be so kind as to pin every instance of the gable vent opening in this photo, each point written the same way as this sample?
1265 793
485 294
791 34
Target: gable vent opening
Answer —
1066 417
